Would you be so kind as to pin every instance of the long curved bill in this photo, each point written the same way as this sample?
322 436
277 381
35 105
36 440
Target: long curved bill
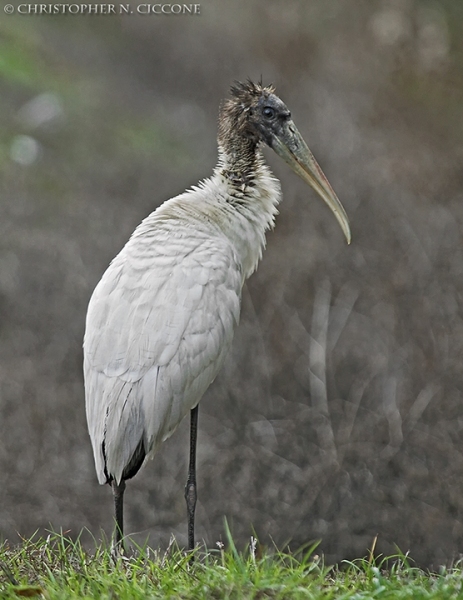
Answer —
290 146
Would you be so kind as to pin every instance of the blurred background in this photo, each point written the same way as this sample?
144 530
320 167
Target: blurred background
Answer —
339 413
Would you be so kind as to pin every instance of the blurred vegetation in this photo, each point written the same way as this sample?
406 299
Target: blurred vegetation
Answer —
103 118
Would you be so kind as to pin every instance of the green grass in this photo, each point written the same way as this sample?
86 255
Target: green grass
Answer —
58 567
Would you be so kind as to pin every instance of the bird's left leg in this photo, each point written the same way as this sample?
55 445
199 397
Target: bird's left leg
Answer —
190 488
118 493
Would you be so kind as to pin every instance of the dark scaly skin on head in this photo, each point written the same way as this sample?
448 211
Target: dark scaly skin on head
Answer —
242 129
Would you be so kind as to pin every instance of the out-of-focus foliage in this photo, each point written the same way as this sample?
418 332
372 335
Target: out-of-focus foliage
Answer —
339 413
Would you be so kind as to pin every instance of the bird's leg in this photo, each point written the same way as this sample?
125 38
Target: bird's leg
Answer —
118 492
190 488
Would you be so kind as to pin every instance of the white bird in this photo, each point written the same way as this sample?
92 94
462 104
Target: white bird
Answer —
161 320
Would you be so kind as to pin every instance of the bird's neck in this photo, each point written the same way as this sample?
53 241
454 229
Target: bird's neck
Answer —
249 197
239 157
239 200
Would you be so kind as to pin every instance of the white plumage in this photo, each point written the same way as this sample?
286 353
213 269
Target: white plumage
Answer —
161 320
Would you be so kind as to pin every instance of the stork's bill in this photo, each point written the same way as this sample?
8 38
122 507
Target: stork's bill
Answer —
290 146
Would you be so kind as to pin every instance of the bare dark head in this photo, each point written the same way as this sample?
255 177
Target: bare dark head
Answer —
255 114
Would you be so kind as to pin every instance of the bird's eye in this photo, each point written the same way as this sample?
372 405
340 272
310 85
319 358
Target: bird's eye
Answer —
268 112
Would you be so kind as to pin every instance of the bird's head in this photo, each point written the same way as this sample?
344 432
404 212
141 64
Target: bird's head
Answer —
256 113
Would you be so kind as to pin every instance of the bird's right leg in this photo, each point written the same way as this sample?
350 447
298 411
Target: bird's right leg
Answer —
118 492
190 488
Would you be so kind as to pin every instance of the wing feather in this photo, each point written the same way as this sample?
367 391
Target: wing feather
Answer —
159 326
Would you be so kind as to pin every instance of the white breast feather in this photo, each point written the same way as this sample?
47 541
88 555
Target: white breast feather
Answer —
161 320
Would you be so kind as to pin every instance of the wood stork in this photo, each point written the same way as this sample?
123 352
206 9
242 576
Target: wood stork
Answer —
161 320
